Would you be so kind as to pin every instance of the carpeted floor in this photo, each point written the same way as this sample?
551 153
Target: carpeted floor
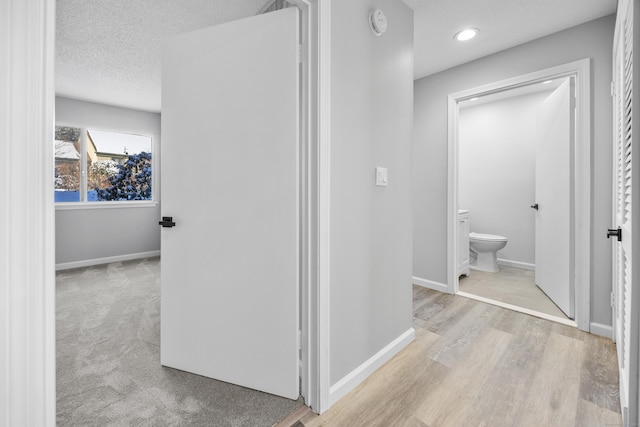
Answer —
108 359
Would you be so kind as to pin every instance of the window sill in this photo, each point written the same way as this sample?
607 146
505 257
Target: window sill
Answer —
67 206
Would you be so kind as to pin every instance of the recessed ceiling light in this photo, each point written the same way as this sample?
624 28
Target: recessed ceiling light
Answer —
546 82
466 34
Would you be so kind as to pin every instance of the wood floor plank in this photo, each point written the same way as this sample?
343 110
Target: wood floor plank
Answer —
599 379
414 422
507 321
510 285
435 304
425 336
412 374
293 420
592 415
461 334
474 364
553 396
422 296
507 385
569 331
465 384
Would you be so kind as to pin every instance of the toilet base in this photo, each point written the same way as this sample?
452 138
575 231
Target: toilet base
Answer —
485 261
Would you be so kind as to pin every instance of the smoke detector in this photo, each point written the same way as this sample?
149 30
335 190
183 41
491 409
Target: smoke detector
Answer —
378 22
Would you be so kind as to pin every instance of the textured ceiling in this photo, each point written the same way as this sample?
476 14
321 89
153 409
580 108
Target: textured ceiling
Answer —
502 24
108 51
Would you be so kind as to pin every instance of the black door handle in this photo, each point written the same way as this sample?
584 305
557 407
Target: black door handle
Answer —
613 232
534 206
167 221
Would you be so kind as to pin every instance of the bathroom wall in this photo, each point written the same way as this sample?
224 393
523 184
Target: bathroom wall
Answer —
497 171
92 235
429 156
371 238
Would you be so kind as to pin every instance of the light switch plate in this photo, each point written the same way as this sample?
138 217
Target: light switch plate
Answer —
381 176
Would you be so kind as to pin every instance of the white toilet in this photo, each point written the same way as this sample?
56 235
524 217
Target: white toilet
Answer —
485 247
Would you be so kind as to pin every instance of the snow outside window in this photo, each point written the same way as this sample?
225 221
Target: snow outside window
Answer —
101 166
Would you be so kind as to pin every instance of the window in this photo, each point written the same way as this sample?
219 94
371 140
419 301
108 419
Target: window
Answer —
101 166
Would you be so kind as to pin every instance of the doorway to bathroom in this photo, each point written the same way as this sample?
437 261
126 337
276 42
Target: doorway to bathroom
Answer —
519 162
514 146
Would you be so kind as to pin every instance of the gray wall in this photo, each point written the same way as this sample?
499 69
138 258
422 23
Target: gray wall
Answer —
372 115
429 167
88 234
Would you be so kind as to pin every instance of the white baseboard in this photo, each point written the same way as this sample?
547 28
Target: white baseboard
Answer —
600 329
516 264
106 260
430 284
362 372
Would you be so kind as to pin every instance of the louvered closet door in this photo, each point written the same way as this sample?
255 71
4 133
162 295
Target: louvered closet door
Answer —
624 317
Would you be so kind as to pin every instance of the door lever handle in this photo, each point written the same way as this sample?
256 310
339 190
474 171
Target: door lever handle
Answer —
613 232
167 221
534 206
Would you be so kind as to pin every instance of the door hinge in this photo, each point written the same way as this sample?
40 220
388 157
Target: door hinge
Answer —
299 340
612 299
613 88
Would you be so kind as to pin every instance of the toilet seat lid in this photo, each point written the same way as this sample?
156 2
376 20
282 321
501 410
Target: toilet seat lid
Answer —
487 237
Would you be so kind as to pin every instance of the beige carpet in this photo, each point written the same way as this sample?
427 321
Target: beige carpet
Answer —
108 359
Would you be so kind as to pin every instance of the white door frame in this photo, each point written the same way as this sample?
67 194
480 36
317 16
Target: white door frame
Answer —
315 214
27 228
582 162
27 253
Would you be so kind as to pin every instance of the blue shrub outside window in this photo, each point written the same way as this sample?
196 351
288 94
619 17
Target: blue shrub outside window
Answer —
109 166
131 182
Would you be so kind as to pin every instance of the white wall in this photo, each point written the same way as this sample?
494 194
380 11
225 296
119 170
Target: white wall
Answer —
497 171
593 39
98 233
371 122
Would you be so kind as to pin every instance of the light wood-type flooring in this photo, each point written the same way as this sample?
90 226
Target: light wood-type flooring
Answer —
514 286
475 364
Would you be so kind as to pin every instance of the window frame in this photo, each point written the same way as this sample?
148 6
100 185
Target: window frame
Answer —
116 204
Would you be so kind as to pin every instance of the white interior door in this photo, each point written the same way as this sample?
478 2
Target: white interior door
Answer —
553 234
624 316
230 182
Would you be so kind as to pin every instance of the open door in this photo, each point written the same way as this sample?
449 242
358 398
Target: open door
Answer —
625 260
553 233
229 266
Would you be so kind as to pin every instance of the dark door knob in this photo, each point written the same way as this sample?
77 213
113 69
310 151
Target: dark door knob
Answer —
167 221
613 232
534 206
